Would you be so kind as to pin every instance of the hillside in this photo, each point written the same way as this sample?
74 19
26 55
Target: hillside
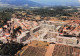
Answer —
20 2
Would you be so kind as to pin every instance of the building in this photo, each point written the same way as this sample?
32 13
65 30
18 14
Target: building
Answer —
3 39
45 31
23 37
67 40
34 30
1 30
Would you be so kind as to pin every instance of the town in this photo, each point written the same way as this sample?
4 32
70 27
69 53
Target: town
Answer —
43 34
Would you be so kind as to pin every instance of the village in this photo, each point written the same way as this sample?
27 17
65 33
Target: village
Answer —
42 34
25 31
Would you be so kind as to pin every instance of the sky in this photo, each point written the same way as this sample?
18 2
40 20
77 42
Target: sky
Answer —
49 2
44 2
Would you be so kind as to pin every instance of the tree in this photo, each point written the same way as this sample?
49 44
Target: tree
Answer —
10 48
4 17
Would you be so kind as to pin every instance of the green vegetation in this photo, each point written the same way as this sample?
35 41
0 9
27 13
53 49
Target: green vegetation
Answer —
4 17
59 11
52 13
10 48
56 12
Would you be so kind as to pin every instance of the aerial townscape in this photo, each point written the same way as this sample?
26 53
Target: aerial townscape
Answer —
28 28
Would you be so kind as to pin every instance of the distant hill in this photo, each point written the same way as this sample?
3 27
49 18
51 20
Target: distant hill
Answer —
30 3
20 2
64 3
